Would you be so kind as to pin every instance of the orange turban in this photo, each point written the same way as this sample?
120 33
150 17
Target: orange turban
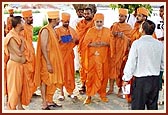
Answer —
65 16
10 11
53 14
123 11
27 13
143 11
98 16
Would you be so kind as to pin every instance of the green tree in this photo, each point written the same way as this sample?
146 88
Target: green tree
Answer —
82 6
131 7
6 5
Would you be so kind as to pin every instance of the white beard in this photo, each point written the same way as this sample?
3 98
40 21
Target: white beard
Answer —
99 28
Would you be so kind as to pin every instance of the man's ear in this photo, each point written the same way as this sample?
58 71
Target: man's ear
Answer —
144 17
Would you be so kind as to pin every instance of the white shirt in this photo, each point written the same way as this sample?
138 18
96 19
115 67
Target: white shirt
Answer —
159 27
75 22
131 19
146 58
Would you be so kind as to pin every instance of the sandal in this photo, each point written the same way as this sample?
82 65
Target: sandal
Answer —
120 96
109 92
55 105
61 98
47 108
73 96
82 90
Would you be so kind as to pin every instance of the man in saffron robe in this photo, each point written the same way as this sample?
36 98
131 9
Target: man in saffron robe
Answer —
96 51
29 66
14 47
7 28
67 38
9 23
121 32
79 12
142 14
81 29
6 58
49 71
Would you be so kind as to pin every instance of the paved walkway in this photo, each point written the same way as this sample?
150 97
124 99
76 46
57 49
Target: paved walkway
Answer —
114 105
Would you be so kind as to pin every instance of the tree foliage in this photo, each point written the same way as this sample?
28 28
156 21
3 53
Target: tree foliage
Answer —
82 6
6 5
131 7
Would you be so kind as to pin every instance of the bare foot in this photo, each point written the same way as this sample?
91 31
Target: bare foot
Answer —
45 107
87 100
20 108
109 92
104 99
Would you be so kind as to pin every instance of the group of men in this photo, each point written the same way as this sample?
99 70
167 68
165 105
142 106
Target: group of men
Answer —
103 53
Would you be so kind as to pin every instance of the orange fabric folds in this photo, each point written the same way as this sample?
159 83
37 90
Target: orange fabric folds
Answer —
96 61
53 14
99 16
143 11
27 13
119 49
14 73
29 67
66 16
55 57
81 29
123 11
68 57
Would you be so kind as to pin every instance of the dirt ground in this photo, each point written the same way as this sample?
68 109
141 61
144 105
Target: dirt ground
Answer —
115 104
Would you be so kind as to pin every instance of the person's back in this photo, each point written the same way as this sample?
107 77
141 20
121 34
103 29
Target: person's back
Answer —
149 50
49 71
145 61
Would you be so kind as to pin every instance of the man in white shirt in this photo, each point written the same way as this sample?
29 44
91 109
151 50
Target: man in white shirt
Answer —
160 25
145 61
79 13
131 18
160 36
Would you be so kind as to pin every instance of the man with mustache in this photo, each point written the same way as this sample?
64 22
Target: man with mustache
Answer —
121 33
29 67
81 29
67 38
